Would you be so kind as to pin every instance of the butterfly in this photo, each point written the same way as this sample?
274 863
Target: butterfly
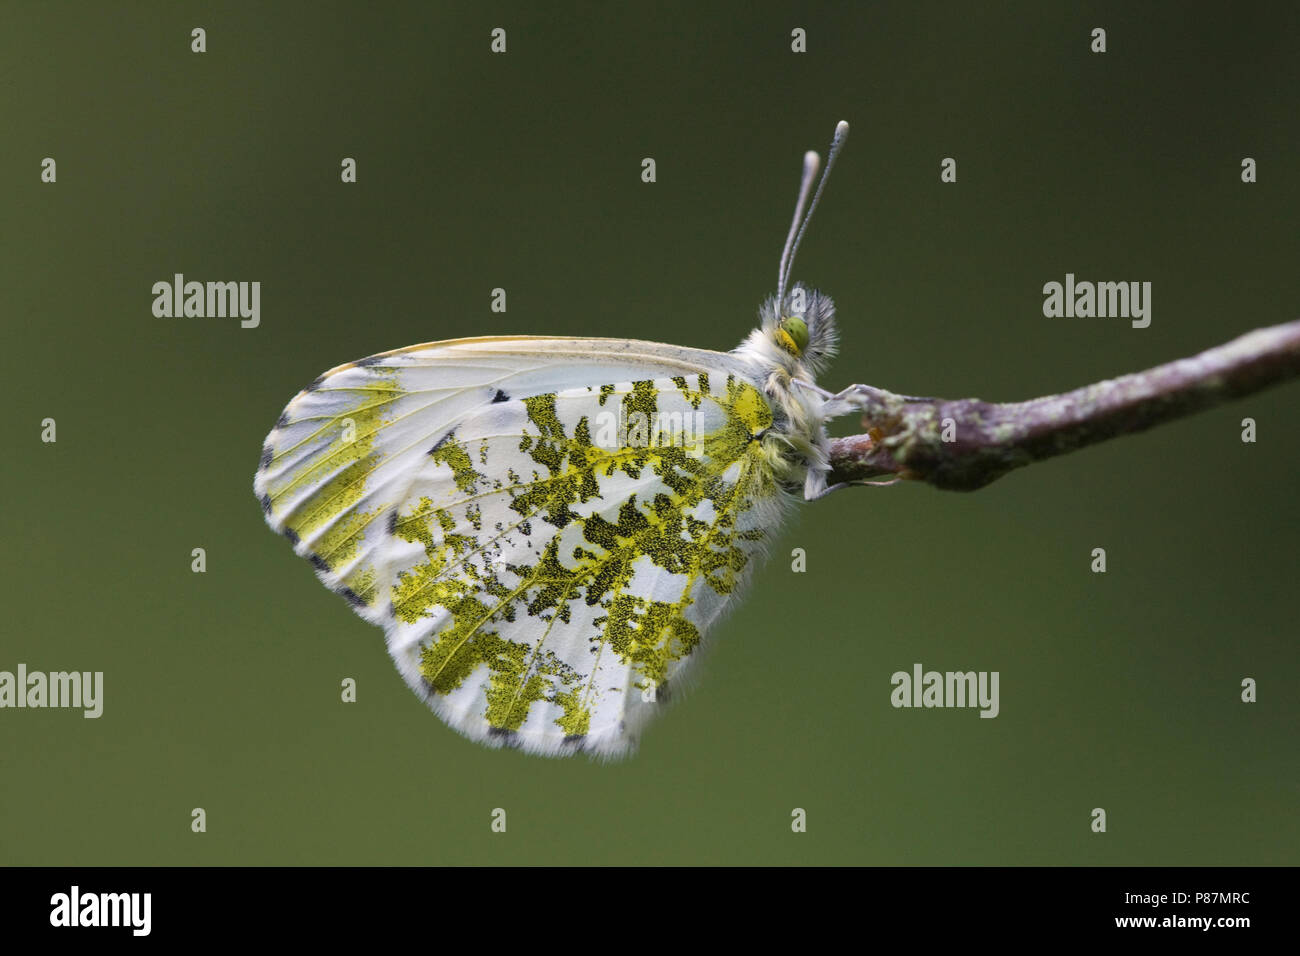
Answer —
547 528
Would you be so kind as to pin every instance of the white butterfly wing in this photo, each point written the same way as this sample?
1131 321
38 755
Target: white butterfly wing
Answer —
545 528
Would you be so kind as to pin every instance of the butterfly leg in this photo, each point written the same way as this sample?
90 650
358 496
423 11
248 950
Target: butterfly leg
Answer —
815 494
857 398
810 494
815 487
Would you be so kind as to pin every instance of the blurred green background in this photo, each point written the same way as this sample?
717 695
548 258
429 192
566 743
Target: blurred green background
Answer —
523 171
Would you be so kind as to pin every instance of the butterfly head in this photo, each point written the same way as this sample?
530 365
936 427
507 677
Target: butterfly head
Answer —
802 332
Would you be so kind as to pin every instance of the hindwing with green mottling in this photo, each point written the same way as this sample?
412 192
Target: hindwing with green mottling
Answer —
545 528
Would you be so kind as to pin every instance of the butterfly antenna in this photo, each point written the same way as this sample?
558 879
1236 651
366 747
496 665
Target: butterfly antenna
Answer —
811 161
800 222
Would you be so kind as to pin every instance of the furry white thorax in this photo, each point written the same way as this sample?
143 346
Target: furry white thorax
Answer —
797 444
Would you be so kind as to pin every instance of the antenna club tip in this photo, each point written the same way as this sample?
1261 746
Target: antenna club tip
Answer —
841 129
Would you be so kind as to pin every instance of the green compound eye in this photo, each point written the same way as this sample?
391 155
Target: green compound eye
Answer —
792 335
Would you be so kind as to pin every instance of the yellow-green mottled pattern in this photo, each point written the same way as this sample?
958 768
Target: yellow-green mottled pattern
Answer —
317 501
512 567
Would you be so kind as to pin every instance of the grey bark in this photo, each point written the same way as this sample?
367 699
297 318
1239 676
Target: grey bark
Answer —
904 435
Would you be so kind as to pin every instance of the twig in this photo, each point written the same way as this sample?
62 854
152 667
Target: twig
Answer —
905 436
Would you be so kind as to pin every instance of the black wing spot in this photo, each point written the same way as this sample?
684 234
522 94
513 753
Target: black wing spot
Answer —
442 441
267 455
500 396
282 420
266 504
369 360
315 384
506 737
352 597
292 536
392 522
318 562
